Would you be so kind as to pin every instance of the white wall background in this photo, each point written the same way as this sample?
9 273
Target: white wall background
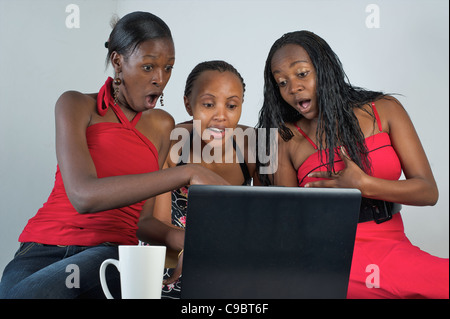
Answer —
41 57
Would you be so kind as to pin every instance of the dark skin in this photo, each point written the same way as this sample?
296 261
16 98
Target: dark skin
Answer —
293 69
144 74
216 101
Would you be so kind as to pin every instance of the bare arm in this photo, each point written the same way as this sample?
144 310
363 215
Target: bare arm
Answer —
419 188
155 223
88 193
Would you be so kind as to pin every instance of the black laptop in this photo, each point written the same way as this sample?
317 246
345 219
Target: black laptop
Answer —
255 242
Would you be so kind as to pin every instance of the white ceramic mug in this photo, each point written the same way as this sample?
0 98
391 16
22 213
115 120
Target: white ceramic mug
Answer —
141 272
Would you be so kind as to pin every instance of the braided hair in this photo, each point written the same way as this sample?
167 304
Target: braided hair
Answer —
215 65
336 98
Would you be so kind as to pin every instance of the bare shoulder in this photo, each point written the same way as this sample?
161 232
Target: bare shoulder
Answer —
245 135
389 104
188 125
182 131
75 105
163 116
75 98
391 112
181 135
158 119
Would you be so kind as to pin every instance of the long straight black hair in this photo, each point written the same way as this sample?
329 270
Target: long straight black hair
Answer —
336 98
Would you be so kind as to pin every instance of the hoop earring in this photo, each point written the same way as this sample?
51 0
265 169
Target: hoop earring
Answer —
161 99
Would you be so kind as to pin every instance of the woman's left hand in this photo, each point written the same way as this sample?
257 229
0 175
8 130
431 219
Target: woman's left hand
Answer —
350 177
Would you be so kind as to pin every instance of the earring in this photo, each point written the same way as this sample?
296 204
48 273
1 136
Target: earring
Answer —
116 95
161 99
117 81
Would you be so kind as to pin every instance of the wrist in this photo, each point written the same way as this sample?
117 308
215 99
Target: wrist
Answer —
364 185
193 173
175 239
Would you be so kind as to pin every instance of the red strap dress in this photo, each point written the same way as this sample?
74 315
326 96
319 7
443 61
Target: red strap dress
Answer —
116 149
385 263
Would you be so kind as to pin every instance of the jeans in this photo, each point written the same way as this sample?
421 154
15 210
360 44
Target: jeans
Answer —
59 272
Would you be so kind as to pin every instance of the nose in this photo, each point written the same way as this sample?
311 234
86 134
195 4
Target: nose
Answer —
157 78
220 114
296 86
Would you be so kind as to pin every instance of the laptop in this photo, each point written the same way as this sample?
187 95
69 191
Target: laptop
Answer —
265 242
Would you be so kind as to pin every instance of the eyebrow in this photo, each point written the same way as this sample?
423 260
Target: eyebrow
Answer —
155 57
212 95
291 65
207 94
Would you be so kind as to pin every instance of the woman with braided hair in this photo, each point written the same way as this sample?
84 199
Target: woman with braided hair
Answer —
213 96
333 134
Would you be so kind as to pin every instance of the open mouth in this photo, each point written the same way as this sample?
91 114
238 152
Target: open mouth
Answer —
304 104
216 133
151 100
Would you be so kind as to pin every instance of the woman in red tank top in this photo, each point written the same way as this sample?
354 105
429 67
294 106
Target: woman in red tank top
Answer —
110 147
333 134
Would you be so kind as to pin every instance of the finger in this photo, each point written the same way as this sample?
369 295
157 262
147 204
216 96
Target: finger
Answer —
177 271
171 279
175 276
168 281
344 155
320 175
320 184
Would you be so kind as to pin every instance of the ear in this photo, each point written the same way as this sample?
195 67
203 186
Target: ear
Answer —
187 105
116 61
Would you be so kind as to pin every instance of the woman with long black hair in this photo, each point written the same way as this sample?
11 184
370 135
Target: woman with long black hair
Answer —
333 134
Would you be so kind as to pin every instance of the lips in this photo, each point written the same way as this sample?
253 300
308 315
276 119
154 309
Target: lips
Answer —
151 100
303 105
216 132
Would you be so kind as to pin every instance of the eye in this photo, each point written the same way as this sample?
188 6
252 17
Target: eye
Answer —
169 68
232 106
303 74
282 83
147 68
208 105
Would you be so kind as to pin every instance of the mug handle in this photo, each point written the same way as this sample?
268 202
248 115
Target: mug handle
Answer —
103 282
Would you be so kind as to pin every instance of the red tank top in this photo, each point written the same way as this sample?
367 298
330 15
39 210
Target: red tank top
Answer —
116 149
383 158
